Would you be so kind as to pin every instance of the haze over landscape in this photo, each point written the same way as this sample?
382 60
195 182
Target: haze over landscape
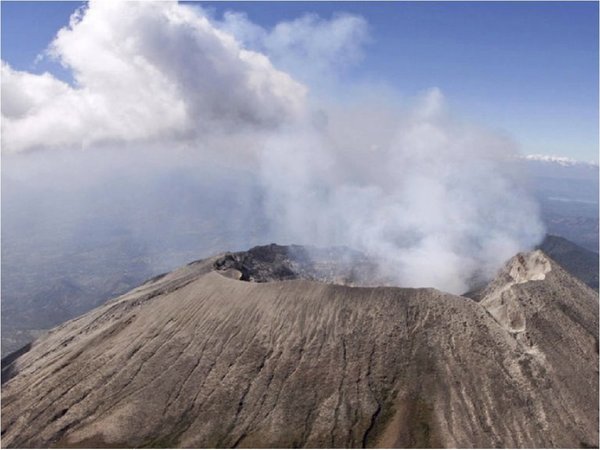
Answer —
141 136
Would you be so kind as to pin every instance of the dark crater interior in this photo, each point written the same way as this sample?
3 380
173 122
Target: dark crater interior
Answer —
336 265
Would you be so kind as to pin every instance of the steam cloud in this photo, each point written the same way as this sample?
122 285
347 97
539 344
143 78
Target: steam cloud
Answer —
435 200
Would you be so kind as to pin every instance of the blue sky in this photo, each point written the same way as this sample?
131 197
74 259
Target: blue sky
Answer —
530 69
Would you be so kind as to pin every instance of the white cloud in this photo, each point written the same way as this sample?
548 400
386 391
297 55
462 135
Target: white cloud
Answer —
143 71
309 47
434 199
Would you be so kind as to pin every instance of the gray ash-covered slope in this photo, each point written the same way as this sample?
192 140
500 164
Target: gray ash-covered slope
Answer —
199 359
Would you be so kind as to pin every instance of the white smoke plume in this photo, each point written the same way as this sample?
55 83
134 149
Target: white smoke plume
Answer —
435 200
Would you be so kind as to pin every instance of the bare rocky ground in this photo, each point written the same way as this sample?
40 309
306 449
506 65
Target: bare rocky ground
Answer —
201 357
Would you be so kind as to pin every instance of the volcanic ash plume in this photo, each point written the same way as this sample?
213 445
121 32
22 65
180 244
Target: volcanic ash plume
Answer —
436 201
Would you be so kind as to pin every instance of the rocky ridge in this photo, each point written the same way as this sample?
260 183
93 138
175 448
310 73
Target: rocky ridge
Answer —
201 358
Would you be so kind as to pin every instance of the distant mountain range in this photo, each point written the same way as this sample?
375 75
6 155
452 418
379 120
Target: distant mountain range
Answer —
560 160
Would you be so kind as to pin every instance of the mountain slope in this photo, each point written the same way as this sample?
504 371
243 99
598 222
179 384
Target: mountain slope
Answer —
198 358
576 260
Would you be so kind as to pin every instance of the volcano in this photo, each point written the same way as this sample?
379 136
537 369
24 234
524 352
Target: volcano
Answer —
296 347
